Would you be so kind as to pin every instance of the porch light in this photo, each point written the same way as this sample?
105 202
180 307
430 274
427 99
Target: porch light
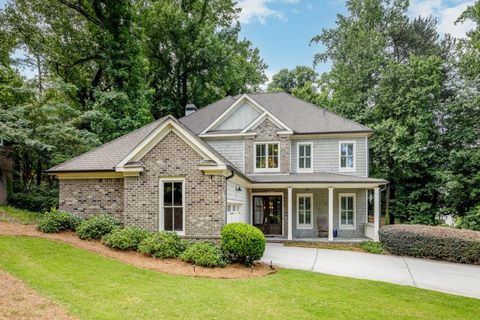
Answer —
238 188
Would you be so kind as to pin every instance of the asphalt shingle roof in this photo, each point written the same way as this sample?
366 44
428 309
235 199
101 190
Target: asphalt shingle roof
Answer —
302 117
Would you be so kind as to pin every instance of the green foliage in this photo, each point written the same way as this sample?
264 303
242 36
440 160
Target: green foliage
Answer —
38 199
242 243
195 54
471 220
288 80
95 227
162 245
441 243
372 247
203 254
125 238
57 221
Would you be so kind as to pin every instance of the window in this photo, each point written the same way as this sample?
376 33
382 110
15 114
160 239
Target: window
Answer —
304 211
347 156
304 153
172 205
347 210
266 156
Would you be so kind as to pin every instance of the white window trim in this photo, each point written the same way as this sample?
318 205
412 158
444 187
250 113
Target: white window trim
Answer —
311 157
354 168
255 156
304 225
347 226
161 221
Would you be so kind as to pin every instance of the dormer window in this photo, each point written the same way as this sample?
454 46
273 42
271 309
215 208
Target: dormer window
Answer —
347 156
266 156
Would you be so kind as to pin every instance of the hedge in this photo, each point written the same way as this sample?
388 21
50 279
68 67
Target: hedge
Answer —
57 221
431 242
95 227
243 243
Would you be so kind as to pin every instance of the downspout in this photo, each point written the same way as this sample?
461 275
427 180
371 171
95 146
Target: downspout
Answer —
226 194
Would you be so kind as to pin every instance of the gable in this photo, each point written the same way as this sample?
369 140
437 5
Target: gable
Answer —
240 118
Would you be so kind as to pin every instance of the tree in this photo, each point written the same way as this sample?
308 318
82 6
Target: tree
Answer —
389 72
289 80
195 53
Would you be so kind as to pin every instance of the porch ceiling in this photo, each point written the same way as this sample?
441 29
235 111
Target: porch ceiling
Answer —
313 178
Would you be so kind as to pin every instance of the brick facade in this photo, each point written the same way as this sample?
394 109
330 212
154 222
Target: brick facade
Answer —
267 131
204 195
86 197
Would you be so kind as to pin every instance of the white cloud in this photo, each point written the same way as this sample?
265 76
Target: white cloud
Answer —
257 10
260 10
445 14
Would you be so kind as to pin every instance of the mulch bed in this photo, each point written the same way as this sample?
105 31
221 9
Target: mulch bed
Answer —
19 302
170 266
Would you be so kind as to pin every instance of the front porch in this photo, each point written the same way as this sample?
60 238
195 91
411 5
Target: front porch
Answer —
317 214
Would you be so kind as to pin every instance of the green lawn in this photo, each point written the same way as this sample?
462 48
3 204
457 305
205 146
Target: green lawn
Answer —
11 214
95 287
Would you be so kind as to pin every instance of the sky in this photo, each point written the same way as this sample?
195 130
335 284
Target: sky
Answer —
282 29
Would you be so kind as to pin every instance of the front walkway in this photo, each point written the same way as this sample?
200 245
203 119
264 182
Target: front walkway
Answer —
440 276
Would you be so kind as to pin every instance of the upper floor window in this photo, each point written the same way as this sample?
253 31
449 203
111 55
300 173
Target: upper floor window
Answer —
304 154
266 156
347 156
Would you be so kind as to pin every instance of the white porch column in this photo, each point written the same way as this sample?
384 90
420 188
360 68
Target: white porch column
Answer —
290 214
330 214
376 213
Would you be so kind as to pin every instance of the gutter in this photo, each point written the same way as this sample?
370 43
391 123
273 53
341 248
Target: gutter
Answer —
226 193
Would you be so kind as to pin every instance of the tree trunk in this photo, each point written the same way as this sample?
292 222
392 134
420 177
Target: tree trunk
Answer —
39 172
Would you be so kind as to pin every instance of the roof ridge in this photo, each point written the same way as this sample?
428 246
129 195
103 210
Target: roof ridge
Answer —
324 109
105 144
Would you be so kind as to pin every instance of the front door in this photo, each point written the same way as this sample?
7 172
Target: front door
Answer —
267 214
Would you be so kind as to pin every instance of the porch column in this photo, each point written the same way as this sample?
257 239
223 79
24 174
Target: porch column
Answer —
376 213
330 214
290 214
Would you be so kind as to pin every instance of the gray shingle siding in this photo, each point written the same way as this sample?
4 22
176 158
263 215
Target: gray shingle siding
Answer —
320 213
326 155
232 150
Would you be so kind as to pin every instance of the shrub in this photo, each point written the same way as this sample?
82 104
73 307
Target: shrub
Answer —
204 254
125 238
242 243
471 220
372 247
162 245
37 199
57 220
431 242
96 227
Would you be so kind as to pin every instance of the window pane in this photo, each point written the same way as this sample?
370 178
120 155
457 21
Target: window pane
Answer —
343 162
350 217
346 149
308 163
307 203
349 203
258 203
273 155
177 193
301 217
301 151
178 219
307 150
301 163
308 217
260 156
349 161
167 193
168 219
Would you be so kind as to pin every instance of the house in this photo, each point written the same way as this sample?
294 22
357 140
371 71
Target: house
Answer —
286 166
5 171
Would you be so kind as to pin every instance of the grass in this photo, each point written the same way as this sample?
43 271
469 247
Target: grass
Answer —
95 287
365 246
11 214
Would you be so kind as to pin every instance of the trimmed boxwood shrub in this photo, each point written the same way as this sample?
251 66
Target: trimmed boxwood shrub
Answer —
162 245
441 243
125 238
96 227
57 220
204 254
242 243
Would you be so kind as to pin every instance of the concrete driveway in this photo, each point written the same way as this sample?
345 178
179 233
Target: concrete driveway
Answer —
440 276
